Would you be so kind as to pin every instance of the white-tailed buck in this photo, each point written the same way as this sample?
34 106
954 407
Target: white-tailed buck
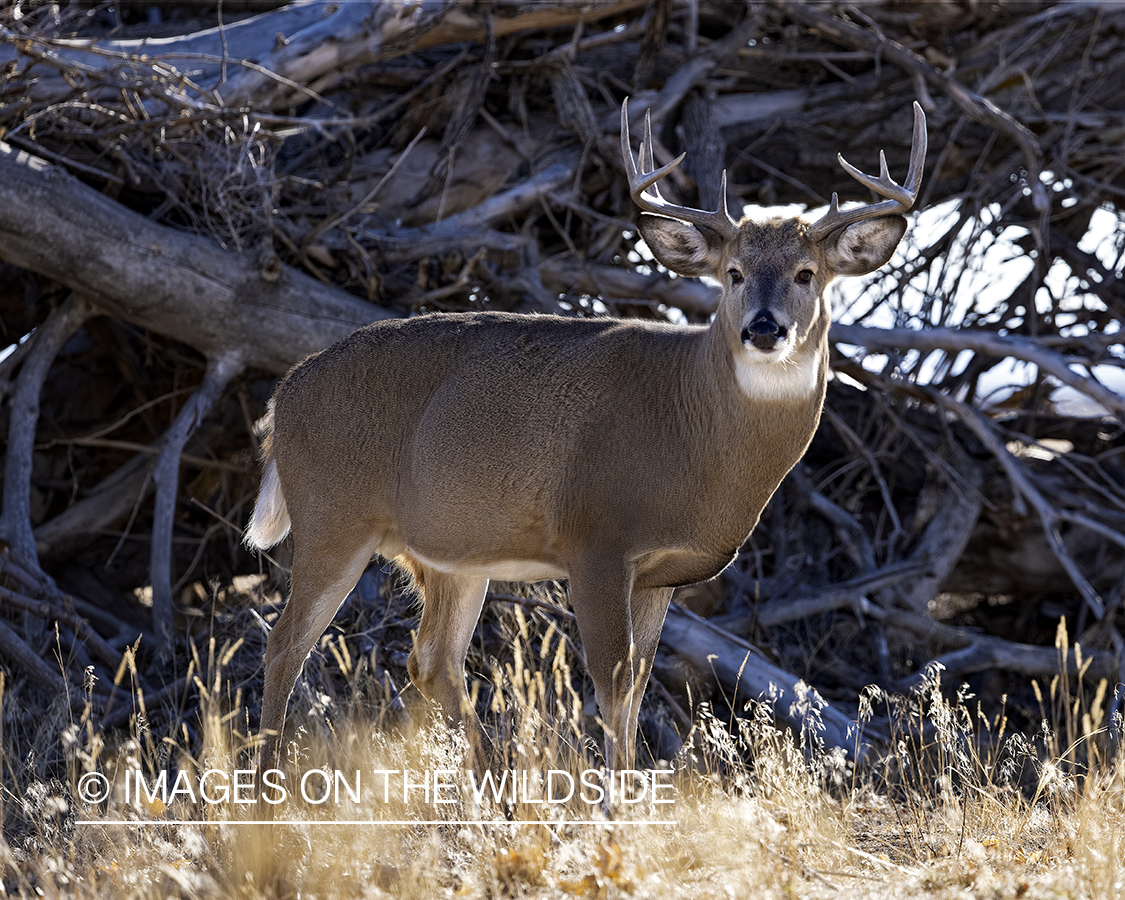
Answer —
628 457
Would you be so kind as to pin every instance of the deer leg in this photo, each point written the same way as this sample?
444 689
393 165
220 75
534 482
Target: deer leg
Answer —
320 580
451 605
647 610
600 592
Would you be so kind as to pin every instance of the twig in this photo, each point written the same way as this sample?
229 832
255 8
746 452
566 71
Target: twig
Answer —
1025 487
851 593
979 652
467 229
15 519
72 164
220 370
51 611
946 535
188 459
979 109
856 444
846 525
532 603
455 286
122 420
26 661
954 340
554 609
330 221
152 702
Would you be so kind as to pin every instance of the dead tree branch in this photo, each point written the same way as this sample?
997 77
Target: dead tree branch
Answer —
238 198
15 520
220 371
955 340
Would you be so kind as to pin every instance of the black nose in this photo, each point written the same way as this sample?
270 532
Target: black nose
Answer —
763 332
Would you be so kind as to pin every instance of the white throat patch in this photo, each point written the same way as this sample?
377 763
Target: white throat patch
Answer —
785 379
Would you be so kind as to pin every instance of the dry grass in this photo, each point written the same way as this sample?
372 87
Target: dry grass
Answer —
957 809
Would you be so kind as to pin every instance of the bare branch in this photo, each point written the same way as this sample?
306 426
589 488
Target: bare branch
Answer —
15 520
954 340
220 371
1022 483
747 674
978 653
165 279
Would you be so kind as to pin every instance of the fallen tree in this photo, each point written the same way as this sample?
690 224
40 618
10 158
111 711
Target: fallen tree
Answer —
241 195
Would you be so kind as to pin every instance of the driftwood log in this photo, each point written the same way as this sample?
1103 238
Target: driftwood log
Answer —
189 206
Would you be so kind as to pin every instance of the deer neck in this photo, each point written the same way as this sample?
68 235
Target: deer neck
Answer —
760 417
746 384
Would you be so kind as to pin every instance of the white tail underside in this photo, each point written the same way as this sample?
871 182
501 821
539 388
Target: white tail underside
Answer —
269 522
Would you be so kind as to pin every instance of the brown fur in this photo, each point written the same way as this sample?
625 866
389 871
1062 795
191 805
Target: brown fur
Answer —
627 456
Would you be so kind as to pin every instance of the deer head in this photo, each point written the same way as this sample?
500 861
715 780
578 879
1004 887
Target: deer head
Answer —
774 273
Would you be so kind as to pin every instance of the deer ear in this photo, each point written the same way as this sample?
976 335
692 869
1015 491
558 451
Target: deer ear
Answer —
864 246
680 246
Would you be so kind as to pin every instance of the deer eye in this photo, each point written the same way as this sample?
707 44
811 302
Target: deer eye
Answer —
804 276
735 276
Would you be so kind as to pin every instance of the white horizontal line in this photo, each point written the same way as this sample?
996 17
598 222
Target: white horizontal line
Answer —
353 822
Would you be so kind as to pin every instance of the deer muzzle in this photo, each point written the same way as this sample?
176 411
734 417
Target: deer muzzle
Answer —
764 332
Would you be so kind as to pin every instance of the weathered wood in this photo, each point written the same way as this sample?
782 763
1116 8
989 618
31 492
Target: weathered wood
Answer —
565 274
55 612
853 594
166 475
533 210
292 54
104 506
26 661
943 539
747 675
15 519
164 279
198 56
978 653
956 340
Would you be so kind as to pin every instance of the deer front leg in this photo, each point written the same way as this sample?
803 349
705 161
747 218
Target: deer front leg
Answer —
647 610
619 630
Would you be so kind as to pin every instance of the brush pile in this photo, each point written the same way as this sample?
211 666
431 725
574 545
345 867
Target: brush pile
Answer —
194 196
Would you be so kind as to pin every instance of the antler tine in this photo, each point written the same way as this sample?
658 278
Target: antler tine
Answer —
718 220
900 197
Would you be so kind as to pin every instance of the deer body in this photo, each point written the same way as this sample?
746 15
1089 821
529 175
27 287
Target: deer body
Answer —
507 424
628 457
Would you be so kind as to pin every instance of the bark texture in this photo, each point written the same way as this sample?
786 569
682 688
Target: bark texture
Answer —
190 206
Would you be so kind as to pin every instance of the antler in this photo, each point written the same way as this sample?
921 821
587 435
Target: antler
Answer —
718 221
900 197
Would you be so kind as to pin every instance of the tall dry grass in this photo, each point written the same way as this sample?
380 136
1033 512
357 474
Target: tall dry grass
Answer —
958 807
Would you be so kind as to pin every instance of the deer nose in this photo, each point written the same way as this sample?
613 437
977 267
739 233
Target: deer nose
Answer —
764 332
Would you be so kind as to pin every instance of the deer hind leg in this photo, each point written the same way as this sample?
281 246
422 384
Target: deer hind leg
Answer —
451 605
322 575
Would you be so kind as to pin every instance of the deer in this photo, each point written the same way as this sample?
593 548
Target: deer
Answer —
626 456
